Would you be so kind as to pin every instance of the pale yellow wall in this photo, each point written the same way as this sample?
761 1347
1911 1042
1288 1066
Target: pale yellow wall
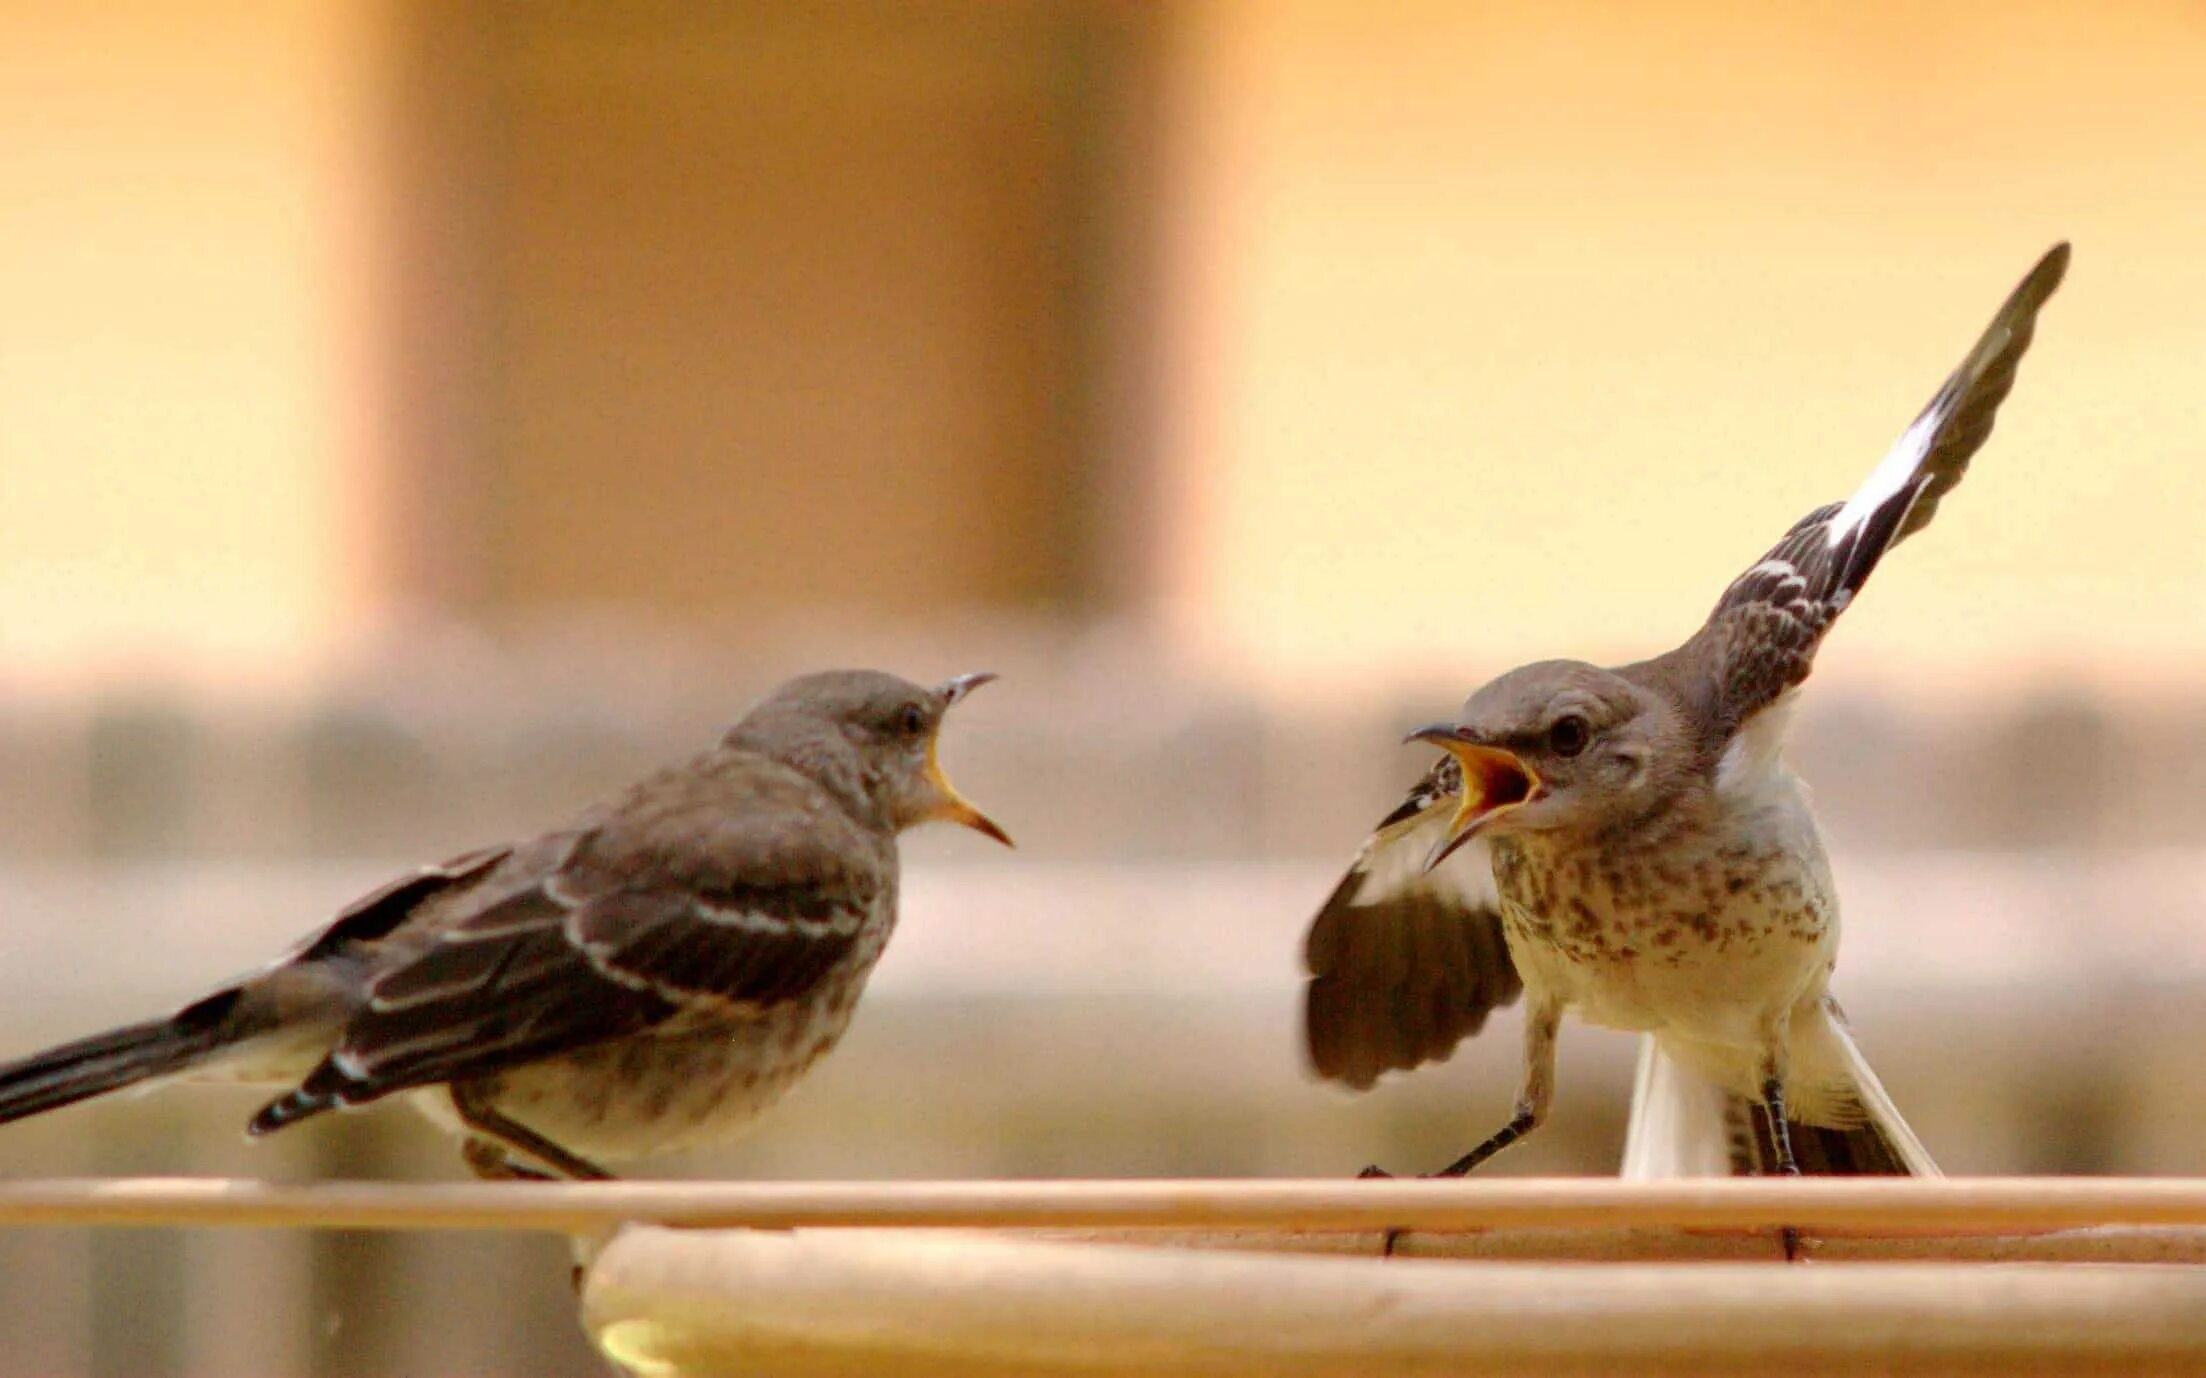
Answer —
1491 331
1503 331
186 315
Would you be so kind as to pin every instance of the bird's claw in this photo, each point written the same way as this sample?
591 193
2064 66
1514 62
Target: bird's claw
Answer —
493 1164
1374 1173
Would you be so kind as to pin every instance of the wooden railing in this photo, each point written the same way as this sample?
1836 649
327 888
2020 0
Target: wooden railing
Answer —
1167 1277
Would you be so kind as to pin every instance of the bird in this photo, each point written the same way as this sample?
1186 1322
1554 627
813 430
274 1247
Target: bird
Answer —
649 976
1627 844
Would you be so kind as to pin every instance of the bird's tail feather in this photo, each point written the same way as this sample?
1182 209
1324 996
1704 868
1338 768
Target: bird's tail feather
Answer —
1678 1125
1883 1137
1683 1125
1866 1150
113 1060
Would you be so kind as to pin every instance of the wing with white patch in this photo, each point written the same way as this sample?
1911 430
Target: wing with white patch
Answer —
1405 964
1762 635
620 934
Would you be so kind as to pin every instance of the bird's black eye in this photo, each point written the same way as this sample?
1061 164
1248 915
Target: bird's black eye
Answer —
1568 736
911 720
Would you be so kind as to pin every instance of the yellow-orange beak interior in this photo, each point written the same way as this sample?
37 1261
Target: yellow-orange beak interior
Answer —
1495 780
950 806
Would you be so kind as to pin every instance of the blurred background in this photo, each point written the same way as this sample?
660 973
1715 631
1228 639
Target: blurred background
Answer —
417 419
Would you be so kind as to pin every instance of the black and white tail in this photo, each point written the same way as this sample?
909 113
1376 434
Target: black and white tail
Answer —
1685 1126
1763 633
118 1058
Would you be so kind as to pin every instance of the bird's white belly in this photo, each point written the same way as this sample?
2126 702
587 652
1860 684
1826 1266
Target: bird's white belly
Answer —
1716 955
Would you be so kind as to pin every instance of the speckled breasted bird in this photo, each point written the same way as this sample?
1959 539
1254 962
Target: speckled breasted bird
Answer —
1627 843
652 975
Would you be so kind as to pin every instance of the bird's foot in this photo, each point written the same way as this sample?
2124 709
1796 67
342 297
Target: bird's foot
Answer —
1372 1172
1790 1167
1461 1167
492 1163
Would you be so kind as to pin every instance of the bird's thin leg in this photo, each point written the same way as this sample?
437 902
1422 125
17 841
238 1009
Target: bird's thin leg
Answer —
1541 1021
1774 1066
1520 1124
477 1114
493 1162
1542 1018
1533 1098
1780 1132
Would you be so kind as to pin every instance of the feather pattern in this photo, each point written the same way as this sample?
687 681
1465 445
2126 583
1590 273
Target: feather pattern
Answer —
1684 1125
1762 636
1405 964
599 934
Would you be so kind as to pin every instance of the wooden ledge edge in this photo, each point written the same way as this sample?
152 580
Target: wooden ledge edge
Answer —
1645 1244
677 1302
1832 1206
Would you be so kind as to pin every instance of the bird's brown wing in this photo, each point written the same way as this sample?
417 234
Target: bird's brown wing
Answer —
729 894
1405 964
375 915
1762 636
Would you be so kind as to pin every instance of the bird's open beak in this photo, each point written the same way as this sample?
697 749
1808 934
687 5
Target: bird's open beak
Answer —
950 806
1494 782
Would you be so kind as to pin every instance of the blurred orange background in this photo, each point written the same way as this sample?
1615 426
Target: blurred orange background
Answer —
1326 340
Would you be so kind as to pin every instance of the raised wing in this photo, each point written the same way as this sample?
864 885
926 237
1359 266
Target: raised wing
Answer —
622 929
1405 964
1762 635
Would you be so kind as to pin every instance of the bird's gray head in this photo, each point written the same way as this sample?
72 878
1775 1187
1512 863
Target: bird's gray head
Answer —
1556 746
870 737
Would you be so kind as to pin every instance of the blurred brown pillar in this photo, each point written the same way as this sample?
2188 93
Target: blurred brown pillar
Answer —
749 309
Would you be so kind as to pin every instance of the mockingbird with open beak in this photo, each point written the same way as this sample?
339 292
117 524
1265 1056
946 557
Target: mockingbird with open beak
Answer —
1628 843
652 975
